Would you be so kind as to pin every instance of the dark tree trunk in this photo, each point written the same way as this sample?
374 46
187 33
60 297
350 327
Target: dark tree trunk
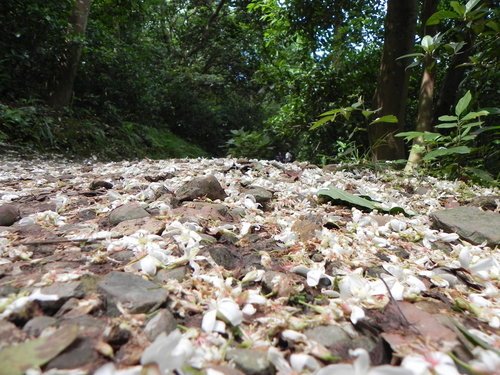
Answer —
392 86
62 89
455 74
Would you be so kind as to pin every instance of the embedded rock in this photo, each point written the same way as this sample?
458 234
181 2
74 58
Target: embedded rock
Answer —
470 223
134 293
163 321
9 214
128 211
261 195
201 187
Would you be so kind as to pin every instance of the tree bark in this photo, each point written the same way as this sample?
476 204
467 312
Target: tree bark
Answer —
454 76
392 86
426 95
62 92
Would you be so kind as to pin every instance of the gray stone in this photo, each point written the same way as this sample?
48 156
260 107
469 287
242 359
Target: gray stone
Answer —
164 275
80 353
251 361
470 223
35 326
261 195
128 211
163 321
150 224
123 256
201 187
328 336
10 334
133 292
88 325
9 214
278 283
223 256
64 291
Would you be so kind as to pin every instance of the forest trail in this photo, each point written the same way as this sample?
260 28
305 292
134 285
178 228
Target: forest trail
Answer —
237 266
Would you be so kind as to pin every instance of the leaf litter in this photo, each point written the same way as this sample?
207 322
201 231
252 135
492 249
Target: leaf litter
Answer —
240 275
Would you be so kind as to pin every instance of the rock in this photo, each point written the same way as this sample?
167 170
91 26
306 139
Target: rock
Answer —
10 334
80 353
35 326
194 211
201 187
251 361
123 256
150 224
64 291
261 195
470 223
306 227
127 211
330 337
98 184
88 325
9 214
223 256
164 275
487 202
133 292
277 282
163 321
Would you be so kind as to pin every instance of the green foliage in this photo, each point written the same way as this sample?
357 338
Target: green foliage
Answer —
442 151
250 144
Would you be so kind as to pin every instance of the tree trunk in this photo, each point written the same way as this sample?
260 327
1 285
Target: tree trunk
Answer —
62 92
426 94
454 76
392 86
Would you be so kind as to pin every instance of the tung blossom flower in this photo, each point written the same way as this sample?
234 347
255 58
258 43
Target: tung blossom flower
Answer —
434 363
223 311
361 366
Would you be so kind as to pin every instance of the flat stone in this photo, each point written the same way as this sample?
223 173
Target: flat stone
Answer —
470 223
149 224
223 256
329 336
194 211
261 195
78 354
277 282
88 325
164 275
127 211
163 321
201 187
64 291
133 292
9 214
251 361
35 326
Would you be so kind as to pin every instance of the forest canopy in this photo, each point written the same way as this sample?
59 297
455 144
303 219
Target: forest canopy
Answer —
328 81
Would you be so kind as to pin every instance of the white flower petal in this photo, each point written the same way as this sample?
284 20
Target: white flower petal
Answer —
357 313
301 361
208 321
230 311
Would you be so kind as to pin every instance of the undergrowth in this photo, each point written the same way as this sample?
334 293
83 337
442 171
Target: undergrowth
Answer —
80 134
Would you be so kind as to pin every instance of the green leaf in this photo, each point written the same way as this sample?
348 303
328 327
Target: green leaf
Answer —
16 359
463 103
416 54
481 174
446 151
322 121
440 15
413 64
367 113
473 115
331 112
447 125
387 118
470 5
448 118
409 135
458 8
492 110
473 124
341 196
